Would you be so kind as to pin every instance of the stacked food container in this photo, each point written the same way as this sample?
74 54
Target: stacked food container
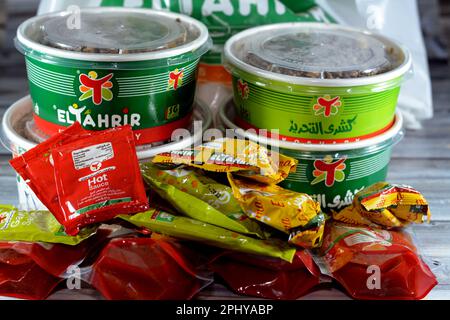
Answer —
329 92
114 67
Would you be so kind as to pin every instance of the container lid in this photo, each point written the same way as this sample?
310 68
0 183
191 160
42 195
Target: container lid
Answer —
313 50
113 34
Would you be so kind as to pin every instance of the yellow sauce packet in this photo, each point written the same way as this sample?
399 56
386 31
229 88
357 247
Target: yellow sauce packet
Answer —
243 157
296 214
386 205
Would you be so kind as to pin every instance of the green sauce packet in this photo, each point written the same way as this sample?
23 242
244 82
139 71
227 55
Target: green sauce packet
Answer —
36 226
200 197
190 229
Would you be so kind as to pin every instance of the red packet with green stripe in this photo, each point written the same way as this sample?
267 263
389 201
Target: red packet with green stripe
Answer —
98 178
36 166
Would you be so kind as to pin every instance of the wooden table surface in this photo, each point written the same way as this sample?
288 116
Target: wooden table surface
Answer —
422 160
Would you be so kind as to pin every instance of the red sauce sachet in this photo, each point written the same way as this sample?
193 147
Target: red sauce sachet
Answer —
149 269
36 168
374 264
85 177
98 178
266 277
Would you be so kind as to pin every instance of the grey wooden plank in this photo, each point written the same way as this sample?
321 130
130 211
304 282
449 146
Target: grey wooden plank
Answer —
11 90
441 90
22 7
431 177
8 190
432 142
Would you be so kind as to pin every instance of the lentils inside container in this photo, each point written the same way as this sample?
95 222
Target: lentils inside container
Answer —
318 53
116 33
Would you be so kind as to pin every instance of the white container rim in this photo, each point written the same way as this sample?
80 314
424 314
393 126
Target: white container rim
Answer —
202 39
24 106
232 59
337 147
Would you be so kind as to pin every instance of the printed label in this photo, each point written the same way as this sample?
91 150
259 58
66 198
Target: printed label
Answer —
92 156
381 237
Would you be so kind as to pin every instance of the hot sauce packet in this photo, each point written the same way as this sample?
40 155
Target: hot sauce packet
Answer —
296 214
266 277
386 205
156 268
374 263
36 226
97 178
190 229
26 281
36 167
200 197
243 157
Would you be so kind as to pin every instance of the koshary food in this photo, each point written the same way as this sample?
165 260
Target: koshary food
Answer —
296 214
121 66
385 205
190 229
374 263
199 197
225 19
36 226
301 53
243 157
316 83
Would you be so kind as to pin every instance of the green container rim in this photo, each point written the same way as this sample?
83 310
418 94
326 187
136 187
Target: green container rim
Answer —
167 57
236 65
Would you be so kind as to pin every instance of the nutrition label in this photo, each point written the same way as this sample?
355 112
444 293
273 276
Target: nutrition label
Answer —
83 158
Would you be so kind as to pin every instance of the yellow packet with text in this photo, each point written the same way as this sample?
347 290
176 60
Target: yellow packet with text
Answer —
386 205
293 213
243 157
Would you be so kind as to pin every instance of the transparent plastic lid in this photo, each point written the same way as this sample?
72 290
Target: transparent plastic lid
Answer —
114 32
312 52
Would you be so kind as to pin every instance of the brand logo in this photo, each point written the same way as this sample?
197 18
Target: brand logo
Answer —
326 106
97 89
172 112
90 119
243 89
329 171
95 166
176 78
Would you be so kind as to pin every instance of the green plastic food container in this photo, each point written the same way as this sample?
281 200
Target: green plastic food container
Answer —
315 82
331 174
106 67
